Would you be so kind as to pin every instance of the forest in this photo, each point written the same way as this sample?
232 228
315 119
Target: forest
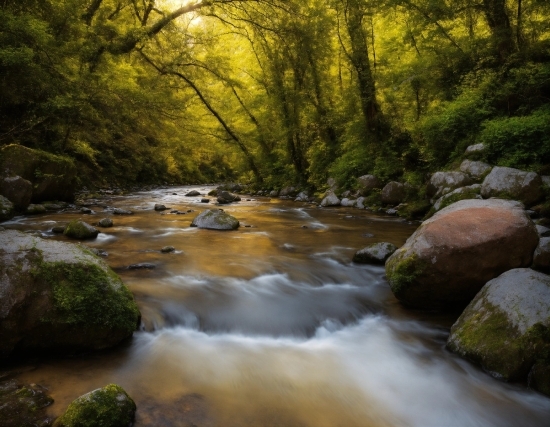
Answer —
275 92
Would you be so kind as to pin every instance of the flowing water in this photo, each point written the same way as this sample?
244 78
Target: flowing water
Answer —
273 326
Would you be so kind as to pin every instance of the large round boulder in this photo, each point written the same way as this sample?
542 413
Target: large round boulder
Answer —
393 193
53 177
109 406
515 184
215 219
442 183
17 190
57 297
454 253
506 328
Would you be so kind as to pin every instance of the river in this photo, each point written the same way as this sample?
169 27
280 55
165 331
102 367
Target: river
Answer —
272 325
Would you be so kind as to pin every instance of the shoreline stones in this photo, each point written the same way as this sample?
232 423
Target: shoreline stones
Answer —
330 200
17 190
215 219
513 184
393 193
454 253
506 328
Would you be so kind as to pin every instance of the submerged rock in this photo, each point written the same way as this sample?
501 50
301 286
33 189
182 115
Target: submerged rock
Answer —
167 249
109 406
159 207
215 219
506 328
59 229
515 184
23 405
105 222
377 253
119 211
58 297
453 254
142 266
80 230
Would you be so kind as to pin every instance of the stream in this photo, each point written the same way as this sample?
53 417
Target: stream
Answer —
272 325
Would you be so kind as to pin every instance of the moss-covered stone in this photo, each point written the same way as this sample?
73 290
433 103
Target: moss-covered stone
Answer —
59 298
23 405
463 193
506 328
402 271
53 177
109 406
78 229
414 210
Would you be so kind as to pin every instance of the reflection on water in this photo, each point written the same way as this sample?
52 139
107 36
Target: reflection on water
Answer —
272 325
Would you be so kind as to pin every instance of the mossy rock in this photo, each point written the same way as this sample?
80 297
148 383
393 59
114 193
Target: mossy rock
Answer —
6 209
59 298
215 219
506 328
80 230
414 210
109 406
462 193
23 405
53 177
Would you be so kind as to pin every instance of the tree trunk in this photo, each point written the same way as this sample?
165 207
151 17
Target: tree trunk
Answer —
499 23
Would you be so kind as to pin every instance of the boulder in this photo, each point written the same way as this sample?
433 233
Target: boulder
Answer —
462 193
509 183
6 209
109 406
454 253
205 200
225 197
367 183
476 170
167 249
414 210
330 199
84 210
393 193
57 297
302 197
52 177
17 190
105 222
332 184
193 193
215 219
159 207
274 193
506 328
348 203
442 183
23 405
33 209
541 257
78 229
288 192
360 203
377 253
59 229
475 150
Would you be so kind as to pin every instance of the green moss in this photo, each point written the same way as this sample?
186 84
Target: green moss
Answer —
456 197
415 210
79 230
402 271
86 294
488 338
109 406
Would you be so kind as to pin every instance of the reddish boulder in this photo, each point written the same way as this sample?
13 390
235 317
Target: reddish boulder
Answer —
453 254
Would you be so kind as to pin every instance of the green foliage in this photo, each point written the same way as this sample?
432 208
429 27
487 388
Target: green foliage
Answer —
520 142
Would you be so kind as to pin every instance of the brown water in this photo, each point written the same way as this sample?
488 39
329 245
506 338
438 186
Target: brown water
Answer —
273 326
